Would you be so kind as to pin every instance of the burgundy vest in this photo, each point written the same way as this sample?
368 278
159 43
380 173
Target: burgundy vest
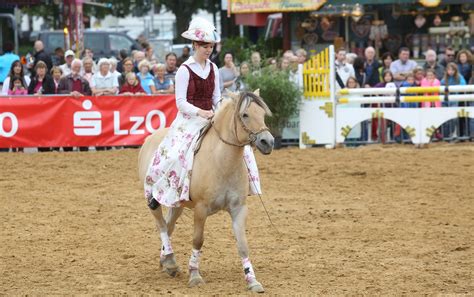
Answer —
200 90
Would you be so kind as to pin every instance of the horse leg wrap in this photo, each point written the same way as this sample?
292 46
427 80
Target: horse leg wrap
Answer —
166 248
248 270
194 260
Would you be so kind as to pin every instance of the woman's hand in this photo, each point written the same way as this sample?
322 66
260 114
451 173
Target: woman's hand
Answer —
207 114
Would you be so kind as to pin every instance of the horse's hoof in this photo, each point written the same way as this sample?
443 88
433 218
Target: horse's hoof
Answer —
168 265
256 287
195 281
172 271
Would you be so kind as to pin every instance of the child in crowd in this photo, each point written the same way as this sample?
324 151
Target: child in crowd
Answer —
430 81
419 74
131 86
410 81
17 86
56 73
352 83
163 84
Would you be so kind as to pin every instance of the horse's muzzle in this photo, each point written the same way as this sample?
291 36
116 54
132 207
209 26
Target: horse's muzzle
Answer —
264 142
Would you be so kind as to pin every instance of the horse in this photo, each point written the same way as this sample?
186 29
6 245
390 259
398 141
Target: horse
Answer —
219 178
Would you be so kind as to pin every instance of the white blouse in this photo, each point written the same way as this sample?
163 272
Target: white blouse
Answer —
182 82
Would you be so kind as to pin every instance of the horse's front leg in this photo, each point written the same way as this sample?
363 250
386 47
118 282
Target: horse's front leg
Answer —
239 217
200 216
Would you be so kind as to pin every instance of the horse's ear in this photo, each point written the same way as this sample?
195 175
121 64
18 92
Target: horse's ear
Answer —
257 92
233 95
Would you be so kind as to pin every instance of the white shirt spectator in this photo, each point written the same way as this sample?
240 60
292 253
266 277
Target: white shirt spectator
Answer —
345 71
182 82
66 69
398 67
99 81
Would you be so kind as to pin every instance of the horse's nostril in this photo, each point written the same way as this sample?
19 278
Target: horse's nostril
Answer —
264 142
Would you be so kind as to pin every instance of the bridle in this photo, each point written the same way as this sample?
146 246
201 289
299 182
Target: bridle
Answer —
252 135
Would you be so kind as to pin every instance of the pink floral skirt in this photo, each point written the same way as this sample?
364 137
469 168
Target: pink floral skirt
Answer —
169 175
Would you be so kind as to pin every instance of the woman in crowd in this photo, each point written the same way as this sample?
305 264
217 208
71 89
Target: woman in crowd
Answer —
244 71
56 73
42 83
163 85
88 69
465 60
17 86
132 86
359 70
127 65
15 70
228 73
285 64
387 59
146 79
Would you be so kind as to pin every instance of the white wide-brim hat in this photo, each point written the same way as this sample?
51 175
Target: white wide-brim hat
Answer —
202 30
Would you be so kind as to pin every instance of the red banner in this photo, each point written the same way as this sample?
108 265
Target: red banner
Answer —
54 121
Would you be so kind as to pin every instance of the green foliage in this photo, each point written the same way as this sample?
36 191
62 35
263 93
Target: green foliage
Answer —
242 48
281 95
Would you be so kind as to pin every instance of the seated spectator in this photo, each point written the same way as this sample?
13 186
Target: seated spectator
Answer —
56 73
66 67
430 81
464 61
6 60
16 69
42 83
87 69
430 62
146 79
73 83
387 59
419 74
244 71
113 68
228 73
401 67
163 85
17 86
103 82
127 65
171 68
131 86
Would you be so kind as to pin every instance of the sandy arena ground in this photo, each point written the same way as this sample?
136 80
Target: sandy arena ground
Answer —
388 220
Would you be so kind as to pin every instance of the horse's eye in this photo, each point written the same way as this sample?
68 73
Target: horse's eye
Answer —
245 115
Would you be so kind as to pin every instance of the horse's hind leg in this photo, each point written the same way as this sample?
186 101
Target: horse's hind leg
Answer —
167 259
239 215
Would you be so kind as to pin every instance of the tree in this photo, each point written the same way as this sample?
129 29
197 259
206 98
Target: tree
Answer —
184 10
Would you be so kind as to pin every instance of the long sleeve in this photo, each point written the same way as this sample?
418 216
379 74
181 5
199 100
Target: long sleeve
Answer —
6 85
216 96
182 82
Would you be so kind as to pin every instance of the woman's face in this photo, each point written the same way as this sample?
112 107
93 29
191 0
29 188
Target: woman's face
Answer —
388 60
463 58
56 74
204 51
285 64
144 69
104 68
17 68
351 84
244 69
41 71
228 59
128 66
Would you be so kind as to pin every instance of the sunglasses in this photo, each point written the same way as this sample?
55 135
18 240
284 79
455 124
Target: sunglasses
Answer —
450 55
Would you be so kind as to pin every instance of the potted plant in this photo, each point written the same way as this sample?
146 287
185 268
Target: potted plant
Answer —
280 94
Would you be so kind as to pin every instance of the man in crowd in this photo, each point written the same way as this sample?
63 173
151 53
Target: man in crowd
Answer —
371 67
40 55
449 57
401 67
6 60
122 55
431 63
66 67
343 70
184 56
171 68
73 83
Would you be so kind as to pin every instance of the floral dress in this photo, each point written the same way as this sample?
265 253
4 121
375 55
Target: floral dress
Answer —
169 175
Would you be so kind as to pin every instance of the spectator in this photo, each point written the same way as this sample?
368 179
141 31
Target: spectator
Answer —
256 61
302 55
215 56
464 61
146 79
122 55
228 73
17 86
56 73
296 72
419 74
371 67
350 57
409 82
449 56
131 86
150 56
163 85
360 72
343 70
387 82
184 56
16 69
87 69
113 68
430 81
127 68
387 59
272 63
453 78
103 82
6 60
138 56
352 83
401 67
66 67
431 63
244 71
171 68
285 64
42 83
288 54
58 57
73 83
40 55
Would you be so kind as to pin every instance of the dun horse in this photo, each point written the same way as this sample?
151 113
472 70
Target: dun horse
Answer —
219 177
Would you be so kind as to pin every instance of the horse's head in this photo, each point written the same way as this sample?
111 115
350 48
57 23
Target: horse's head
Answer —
249 120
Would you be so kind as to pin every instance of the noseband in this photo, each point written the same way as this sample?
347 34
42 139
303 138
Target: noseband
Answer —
252 135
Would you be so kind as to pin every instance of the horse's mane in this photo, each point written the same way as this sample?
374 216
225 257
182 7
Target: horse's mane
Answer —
253 98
